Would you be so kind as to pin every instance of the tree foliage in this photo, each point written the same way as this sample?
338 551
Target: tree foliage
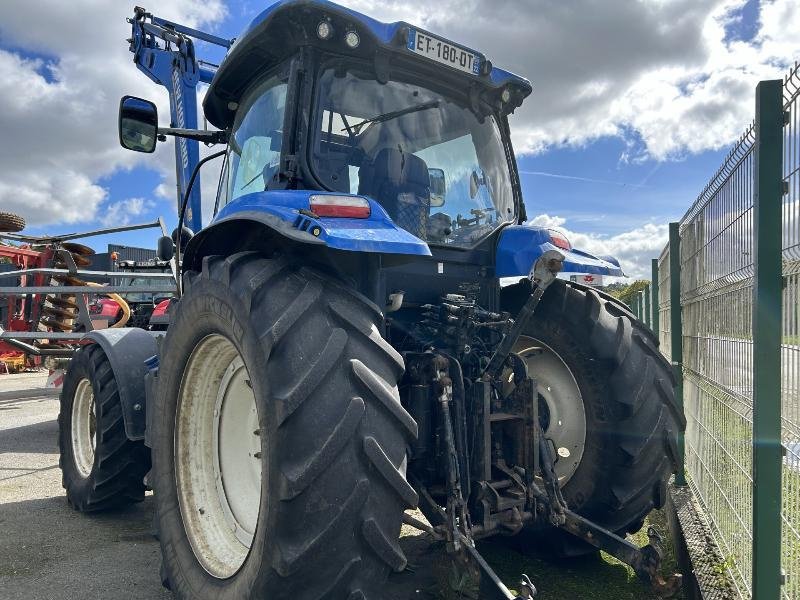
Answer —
631 290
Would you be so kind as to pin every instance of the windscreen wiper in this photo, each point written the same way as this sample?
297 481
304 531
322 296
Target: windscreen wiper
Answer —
393 115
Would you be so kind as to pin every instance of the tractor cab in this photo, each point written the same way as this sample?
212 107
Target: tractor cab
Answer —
389 114
380 150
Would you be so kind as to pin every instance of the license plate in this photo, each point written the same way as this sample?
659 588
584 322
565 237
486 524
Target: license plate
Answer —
443 52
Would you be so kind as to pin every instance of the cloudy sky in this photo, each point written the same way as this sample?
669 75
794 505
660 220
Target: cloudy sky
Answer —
634 104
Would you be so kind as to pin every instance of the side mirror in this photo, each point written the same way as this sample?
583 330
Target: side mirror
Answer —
166 248
438 187
138 124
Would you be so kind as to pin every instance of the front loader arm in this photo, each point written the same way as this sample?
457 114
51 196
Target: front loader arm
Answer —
165 52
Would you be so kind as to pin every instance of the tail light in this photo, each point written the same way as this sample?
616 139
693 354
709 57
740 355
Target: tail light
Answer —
329 205
559 240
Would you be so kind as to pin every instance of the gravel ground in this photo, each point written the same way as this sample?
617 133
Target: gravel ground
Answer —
49 551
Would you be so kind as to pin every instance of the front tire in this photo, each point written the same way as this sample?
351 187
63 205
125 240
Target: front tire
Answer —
630 419
101 468
324 451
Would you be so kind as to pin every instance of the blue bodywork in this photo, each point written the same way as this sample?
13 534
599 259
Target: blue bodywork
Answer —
166 53
268 34
281 210
521 245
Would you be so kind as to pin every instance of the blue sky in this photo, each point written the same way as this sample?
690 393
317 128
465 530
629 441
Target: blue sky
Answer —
612 145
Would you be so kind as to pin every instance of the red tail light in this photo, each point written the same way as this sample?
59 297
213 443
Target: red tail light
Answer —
559 240
329 205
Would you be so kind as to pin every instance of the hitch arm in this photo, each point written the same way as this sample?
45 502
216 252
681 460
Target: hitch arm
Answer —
528 590
646 561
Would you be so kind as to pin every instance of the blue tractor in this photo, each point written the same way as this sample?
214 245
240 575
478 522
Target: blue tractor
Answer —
342 349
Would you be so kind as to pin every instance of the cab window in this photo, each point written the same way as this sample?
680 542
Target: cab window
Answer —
255 148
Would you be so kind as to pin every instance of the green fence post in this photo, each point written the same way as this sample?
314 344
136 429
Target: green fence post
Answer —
676 336
654 299
647 306
767 205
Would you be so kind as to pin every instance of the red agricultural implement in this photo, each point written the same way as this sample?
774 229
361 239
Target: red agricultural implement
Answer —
52 306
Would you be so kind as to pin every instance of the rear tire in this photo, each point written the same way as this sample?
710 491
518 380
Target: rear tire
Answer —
631 417
332 437
101 468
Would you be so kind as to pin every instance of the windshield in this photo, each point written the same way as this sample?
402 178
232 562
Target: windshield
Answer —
439 171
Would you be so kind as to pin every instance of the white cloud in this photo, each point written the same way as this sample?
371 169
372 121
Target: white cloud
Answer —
634 249
59 113
123 212
659 68
656 70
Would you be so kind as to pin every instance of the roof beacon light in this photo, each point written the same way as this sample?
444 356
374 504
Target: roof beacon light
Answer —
330 205
324 30
352 39
559 240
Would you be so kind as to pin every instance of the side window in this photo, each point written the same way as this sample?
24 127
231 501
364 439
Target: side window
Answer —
255 146
222 186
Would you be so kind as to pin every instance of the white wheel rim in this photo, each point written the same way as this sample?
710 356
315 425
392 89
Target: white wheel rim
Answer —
217 456
84 428
558 389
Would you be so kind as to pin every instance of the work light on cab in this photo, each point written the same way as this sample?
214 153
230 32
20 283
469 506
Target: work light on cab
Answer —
328 205
324 30
352 39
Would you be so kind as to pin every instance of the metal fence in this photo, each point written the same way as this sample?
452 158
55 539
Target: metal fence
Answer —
790 347
716 299
738 280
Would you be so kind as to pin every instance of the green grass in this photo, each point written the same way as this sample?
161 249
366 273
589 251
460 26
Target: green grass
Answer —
597 576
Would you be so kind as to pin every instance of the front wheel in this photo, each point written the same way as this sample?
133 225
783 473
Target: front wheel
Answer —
280 441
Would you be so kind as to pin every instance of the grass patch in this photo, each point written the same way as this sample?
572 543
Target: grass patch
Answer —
597 576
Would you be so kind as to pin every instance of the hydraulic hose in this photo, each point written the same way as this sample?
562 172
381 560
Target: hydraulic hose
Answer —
182 213
126 310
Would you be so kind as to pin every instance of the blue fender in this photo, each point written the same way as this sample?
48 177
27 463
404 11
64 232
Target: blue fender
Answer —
520 245
126 349
288 213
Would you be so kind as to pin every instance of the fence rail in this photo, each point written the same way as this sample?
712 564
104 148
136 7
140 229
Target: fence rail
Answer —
738 350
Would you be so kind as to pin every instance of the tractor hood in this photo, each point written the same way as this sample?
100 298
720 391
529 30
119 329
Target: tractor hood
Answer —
521 245
286 26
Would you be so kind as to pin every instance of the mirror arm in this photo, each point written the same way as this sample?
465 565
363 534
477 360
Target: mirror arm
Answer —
201 135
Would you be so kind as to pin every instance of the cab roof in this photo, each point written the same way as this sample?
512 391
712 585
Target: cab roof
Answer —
285 26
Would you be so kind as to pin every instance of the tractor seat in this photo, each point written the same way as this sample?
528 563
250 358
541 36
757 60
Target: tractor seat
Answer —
399 181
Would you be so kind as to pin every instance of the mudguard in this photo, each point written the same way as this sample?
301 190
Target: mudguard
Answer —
288 213
126 349
520 245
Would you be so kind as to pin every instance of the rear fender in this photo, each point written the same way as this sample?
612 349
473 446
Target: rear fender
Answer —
126 349
520 245
288 214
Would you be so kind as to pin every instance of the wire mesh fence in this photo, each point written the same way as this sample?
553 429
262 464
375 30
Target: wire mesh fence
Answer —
717 252
662 304
716 298
790 349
